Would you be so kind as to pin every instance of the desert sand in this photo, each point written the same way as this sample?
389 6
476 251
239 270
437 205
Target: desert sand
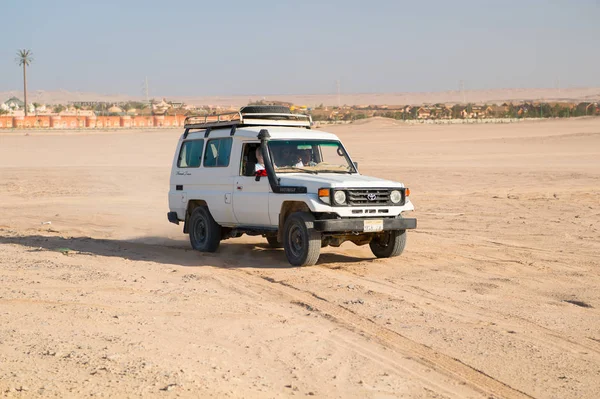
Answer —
495 296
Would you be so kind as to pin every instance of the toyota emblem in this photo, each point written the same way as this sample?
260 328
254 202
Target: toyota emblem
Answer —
371 197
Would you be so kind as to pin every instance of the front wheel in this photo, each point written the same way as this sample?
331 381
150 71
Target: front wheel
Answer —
205 233
301 242
388 244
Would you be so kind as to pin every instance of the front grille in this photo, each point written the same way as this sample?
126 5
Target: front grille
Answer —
368 197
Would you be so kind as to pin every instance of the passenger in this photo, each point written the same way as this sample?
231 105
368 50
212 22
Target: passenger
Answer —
306 158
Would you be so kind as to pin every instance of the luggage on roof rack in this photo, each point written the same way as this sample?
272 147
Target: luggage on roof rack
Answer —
252 115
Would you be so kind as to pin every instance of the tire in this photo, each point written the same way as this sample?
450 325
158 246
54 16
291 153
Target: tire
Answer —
274 242
205 233
301 242
260 109
388 244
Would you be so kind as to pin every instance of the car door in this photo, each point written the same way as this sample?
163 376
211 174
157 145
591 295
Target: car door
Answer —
185 171
215 185
250 197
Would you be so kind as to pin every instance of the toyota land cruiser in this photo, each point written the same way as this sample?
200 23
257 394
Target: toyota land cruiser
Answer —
264 171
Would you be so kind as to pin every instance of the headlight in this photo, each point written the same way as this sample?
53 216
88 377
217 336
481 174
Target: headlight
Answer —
339 197
395 196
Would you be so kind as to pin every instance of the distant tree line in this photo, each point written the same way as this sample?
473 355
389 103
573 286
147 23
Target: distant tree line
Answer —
458 111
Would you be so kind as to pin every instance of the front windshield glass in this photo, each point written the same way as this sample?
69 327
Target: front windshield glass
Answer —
311 156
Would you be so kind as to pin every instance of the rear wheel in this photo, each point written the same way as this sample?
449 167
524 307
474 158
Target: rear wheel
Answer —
302 243
388 244
205 233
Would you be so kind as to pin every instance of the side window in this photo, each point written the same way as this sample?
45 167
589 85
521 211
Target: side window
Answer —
249 160
218 152
190 154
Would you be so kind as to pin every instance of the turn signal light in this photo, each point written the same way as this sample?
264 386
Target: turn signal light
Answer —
407 191
324 192
324 195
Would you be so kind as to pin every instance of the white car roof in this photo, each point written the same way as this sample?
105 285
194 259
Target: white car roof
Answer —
276 132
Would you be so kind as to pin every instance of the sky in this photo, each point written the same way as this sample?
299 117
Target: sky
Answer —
231 47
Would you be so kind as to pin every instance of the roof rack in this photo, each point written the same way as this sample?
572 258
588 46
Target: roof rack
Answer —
238 118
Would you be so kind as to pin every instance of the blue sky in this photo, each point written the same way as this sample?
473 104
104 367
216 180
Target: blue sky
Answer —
195 48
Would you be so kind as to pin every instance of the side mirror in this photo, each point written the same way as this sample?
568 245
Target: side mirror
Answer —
355 165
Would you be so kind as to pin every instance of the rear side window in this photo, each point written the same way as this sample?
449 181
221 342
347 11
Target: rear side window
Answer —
190 154
218 152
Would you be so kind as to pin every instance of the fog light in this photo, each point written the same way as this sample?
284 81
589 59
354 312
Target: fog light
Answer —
339 197
395 196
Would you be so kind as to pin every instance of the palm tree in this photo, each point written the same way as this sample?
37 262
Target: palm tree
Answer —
127 107
24 58
141 107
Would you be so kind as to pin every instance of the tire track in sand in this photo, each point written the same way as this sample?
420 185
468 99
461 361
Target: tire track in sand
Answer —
457 308
351 321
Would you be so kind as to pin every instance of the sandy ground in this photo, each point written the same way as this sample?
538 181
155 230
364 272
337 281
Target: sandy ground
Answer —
496 295
573 94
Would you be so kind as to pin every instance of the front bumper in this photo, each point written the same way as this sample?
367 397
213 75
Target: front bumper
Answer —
358 224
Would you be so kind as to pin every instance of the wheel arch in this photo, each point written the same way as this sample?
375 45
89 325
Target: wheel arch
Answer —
192 204
287 208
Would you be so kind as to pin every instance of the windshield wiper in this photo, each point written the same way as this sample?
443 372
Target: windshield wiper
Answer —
336 171
296 168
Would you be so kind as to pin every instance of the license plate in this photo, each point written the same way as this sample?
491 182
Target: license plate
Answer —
373 225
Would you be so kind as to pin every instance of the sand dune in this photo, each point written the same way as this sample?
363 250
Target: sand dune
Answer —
496 294
473 96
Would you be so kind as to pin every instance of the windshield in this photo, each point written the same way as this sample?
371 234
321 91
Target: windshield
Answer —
311 156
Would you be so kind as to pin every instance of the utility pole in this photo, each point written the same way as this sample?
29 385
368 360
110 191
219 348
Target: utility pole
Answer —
146 89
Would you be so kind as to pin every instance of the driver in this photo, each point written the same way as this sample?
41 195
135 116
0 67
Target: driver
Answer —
290 156
260 162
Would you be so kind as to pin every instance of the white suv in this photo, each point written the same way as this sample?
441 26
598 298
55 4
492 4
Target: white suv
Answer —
263 171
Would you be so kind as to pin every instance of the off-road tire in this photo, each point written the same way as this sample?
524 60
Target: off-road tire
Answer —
205 233
261 109
301 242
274 242
388 244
